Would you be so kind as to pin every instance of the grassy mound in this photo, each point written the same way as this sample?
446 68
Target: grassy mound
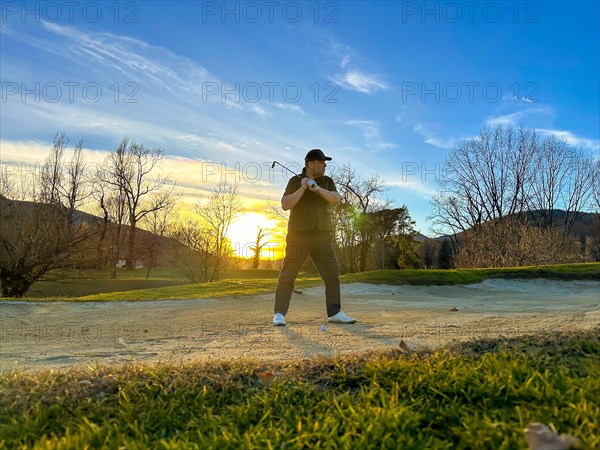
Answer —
583 271
478 395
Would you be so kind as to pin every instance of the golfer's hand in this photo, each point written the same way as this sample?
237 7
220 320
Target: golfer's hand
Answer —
304 183
312 185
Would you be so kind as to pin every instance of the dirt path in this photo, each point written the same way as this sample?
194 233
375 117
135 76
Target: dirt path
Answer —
63 334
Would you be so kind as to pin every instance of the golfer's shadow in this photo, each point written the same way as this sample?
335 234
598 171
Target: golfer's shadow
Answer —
308 339
362 330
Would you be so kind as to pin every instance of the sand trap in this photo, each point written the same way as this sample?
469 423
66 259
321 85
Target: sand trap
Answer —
63 334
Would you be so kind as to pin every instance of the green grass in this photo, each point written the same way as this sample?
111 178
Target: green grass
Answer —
478 396
164 286
583 271
80 283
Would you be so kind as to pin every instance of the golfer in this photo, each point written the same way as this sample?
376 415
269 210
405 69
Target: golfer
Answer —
309 197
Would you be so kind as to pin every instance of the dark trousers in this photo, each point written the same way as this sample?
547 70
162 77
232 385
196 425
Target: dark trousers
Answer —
319 246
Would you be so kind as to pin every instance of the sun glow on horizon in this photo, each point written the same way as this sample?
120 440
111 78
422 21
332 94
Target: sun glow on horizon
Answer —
242 234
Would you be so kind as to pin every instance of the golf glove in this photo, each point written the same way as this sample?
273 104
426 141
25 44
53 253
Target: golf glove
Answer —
312 185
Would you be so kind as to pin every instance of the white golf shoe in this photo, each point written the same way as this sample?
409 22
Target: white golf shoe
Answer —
341 318
278 320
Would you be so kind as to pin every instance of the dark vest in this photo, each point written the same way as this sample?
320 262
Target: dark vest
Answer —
312 212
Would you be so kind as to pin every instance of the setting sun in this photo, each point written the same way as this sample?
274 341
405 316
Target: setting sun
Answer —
243 232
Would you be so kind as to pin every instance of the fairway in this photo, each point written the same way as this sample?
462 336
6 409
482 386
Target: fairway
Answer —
65 334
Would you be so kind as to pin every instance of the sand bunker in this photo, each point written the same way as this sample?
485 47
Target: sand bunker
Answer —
64 334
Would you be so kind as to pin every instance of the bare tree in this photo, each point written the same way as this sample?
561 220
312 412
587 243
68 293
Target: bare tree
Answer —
131 168
111 200
275 212
484 179
157 223
218 212
34 239
52 171
513 241
75 190
40 235
64 182
512 175
593 241
259 244
563 178
195 256
7 182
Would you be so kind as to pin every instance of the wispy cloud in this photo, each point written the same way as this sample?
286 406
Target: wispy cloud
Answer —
359 81
157 71
345 71
572 139
370 130
175 108
193 176
432 139
515 117
289 107
137 60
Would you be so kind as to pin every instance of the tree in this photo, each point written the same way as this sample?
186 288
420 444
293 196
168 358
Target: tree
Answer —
131 168
64 183
218 212
428 252
513 241
352 220
509 178
7 182
390 227
195 254
156 222
40 228
281 218
408 258
53 171
446 255
562 178
484 179
261 233
593 241
112 202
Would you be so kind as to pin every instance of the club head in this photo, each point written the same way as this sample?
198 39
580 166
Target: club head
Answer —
273 165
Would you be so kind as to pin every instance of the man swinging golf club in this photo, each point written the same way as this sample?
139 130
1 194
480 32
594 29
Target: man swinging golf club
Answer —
309 197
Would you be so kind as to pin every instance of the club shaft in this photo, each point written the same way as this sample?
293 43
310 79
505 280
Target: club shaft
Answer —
279 164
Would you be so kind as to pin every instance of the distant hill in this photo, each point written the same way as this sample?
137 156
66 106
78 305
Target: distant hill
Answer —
583 226
420 237
90 219
79 216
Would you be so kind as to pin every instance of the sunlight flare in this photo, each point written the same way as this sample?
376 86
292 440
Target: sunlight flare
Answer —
243 232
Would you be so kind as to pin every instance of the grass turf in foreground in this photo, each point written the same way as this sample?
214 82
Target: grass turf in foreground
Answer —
480 395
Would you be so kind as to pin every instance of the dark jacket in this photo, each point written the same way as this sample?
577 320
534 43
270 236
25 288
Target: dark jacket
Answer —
312 212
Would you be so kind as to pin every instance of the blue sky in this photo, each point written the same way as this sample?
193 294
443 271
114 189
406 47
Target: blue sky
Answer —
226 88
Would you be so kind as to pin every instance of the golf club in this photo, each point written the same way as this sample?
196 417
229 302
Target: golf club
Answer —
278 163
312 185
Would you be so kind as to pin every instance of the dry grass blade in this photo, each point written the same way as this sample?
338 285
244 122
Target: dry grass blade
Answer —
542 437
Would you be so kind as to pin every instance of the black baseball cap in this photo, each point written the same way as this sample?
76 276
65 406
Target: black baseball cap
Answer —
316 154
